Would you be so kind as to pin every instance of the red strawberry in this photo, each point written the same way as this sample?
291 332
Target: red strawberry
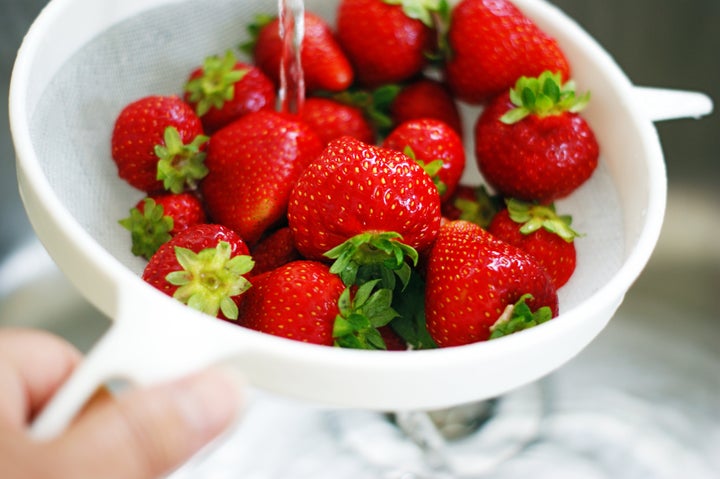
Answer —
540 232
254 163
204 267
224 89
435 146
157 218
493 44
324 64
426 98
156 144
304 301
531 144
472 203
273 251
473 279
369 205
331 120
385 44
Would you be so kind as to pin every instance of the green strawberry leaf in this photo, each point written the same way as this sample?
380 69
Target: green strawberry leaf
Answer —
361 314
432 169
216 85
370 256
410 323
543 95
519 317
210 279
423 10
180 166
149 229
253 29
481 209
534 216
374 104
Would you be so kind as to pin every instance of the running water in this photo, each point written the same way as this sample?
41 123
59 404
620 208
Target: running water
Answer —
292 29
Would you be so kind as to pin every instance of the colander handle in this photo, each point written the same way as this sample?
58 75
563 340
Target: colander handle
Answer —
129 351
660 104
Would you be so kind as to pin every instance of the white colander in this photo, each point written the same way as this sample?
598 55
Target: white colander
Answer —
83 60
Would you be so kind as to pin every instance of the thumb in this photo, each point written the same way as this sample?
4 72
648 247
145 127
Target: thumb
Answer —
146 433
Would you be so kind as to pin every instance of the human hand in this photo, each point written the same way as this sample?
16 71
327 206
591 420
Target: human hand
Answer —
140 434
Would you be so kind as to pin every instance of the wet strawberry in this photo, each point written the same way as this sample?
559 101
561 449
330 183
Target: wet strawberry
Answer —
435 146
157 144
532 144
541 232
224 89
493 44
331 119
204 267
324 64
474 281
426 98
157 218
254 163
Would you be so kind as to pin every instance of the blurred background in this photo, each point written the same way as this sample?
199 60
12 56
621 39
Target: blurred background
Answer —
662 349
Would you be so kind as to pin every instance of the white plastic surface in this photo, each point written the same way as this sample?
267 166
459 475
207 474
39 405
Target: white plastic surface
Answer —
155 338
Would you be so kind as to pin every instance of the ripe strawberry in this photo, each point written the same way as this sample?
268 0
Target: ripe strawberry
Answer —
254 163
426 98
493 44
204 267
156 144
472 203
540 232
363 205
304 301
385 41
224 89
473 279
435 146
273 251
157 218
531 144
331 120
324 64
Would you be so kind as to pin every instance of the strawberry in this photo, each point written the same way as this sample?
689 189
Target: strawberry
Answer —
254 163
157 144
224 89
304 301
274 250
435 146
324 64
385 41
364 206
426 98
331 119
475 281
157 218
472 203
493 44
541 232
204 267
532 144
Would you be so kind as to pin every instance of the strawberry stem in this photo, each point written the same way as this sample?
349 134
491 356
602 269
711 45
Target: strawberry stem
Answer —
532 217
369 256
149 229
361 315
180 166
210 279
519 317
542 96
216 85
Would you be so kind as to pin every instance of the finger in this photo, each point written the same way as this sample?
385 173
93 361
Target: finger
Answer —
33 364
147 433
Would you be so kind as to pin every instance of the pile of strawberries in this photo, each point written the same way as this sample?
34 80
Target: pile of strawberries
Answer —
345 223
